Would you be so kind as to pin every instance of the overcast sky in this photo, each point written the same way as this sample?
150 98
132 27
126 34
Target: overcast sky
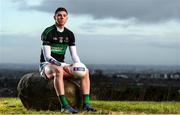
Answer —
143 32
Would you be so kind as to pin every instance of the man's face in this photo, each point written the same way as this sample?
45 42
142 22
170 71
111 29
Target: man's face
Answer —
61 18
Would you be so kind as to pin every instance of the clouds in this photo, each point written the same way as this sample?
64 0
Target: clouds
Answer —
130 27
127 50
117 16
107 31
148 11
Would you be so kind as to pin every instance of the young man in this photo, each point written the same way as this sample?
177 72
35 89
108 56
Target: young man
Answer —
56 39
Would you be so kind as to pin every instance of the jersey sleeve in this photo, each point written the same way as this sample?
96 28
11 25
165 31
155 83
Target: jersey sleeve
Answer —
72 39
45 37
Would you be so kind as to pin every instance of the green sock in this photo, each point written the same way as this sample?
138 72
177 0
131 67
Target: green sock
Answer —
63 100
86 99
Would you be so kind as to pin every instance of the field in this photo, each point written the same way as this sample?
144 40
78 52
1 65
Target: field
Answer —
14 106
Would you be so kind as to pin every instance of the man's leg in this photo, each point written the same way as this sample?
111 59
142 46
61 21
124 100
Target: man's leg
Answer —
56 72
85 84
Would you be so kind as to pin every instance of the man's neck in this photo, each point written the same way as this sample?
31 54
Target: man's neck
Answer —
60 29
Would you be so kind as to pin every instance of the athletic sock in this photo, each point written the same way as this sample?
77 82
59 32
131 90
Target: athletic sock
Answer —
63 100
86 99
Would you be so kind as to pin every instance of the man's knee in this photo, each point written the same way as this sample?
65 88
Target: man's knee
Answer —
52 71
87 71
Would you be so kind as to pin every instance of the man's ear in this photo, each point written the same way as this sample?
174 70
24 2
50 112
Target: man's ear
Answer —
54 17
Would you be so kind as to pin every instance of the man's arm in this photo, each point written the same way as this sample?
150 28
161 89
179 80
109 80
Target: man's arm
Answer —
74 54
47 55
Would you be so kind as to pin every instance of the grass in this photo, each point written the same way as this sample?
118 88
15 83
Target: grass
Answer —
14 106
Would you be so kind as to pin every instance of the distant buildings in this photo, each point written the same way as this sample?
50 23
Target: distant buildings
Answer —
148 75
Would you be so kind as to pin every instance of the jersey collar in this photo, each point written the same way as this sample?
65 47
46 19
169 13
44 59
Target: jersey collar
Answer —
59 29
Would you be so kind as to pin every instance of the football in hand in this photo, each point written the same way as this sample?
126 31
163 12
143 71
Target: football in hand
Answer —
79 70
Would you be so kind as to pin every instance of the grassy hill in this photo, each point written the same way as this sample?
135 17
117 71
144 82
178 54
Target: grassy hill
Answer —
14 106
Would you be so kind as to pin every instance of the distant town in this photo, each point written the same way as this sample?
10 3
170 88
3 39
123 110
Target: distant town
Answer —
135 80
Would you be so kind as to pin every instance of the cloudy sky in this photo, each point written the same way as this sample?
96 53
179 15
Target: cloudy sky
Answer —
143 32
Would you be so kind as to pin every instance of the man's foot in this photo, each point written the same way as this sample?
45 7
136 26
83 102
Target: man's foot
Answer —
68 108
88 107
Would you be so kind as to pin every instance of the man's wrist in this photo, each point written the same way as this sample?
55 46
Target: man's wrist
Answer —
53 61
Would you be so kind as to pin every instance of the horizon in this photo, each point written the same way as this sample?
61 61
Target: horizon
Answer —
105 68
36 64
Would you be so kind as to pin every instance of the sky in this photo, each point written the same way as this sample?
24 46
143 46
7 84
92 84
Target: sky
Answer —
125 32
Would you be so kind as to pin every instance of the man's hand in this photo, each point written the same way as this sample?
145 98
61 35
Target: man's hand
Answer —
64 64
67 69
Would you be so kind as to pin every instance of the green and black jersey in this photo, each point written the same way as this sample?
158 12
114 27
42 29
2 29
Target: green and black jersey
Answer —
58 41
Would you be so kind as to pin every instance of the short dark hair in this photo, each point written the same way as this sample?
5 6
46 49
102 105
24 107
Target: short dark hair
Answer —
61 9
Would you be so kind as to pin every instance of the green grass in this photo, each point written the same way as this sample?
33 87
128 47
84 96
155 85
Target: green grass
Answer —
14 106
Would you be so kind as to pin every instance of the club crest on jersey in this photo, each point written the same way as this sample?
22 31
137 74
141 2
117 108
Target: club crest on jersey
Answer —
66 39
60 39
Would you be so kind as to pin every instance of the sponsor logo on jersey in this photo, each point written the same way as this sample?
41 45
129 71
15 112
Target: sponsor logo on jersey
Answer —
58 48
54 38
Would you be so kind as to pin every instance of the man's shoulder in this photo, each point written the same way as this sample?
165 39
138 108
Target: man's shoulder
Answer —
68 30
49 29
